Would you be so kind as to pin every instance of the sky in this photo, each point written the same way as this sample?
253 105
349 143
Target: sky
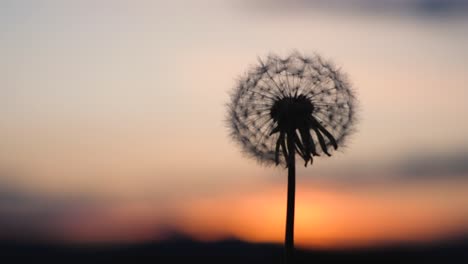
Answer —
112 121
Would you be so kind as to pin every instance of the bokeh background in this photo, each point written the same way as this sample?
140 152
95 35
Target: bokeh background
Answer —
112 121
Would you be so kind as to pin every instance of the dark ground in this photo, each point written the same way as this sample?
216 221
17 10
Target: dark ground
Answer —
182 250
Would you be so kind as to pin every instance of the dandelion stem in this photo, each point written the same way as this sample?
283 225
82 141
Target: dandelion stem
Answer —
289 238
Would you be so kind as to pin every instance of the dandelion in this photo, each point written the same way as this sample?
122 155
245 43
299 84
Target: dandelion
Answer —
287 106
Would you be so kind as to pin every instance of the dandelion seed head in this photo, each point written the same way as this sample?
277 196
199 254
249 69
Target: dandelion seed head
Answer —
305 98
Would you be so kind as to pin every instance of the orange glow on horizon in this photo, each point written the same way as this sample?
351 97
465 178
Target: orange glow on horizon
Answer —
325 217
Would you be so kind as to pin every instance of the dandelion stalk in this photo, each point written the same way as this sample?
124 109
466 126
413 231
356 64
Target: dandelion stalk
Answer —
289 236
287 106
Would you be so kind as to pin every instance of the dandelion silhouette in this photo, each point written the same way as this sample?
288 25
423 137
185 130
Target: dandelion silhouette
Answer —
290 105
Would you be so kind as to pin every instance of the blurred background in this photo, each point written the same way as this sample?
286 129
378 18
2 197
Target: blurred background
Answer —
112 122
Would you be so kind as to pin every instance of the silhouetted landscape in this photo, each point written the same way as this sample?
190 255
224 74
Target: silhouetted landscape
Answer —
181 249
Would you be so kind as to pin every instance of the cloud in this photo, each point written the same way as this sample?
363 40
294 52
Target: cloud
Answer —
32 215
27 214
453 165
420 168
417 7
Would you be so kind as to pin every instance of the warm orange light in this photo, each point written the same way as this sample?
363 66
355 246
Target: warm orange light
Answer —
326 217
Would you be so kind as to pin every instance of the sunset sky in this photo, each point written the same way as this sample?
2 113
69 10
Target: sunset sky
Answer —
112 121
